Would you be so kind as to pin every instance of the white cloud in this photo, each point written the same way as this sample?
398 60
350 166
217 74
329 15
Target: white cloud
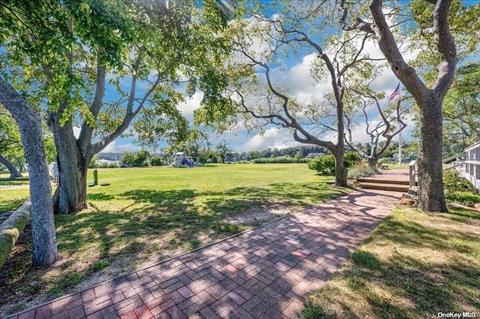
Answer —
271 138
190 104
117 147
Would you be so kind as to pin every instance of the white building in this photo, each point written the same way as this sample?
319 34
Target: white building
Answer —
472 164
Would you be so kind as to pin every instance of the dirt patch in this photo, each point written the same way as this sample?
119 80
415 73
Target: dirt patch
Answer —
259 215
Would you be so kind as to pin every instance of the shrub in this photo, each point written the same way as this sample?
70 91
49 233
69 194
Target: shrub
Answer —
140 159
108 164
93 163
459 189
453 182
280 159
325 165
157 161
465 198
351 158
361 169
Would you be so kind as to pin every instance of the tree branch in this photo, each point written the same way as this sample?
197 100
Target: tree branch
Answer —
404 72
446 47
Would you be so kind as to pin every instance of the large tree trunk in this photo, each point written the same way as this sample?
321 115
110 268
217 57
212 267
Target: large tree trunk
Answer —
373 163
340 169
70 195
430 169
44 245
341 172
14 173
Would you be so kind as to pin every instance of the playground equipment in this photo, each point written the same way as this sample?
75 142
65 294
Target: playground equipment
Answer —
182 160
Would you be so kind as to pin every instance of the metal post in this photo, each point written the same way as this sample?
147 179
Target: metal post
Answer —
95 177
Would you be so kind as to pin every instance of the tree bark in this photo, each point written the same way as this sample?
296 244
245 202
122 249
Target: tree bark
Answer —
430 175
44 246
373 163
70 195
14 173
341 171
11 229
430 166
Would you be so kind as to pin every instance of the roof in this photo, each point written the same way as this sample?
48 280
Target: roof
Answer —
473 146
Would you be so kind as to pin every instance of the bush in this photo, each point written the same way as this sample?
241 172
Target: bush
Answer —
93 163
325 165
465 198
459 189
140 159
351 158
280 159
361 169
157 161
453 182
108 165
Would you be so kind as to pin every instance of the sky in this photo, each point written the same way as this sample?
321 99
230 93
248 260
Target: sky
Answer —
294 74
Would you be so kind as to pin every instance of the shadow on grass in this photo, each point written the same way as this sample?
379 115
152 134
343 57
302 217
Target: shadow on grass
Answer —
11 205
424 269
158 223
14 181
273 267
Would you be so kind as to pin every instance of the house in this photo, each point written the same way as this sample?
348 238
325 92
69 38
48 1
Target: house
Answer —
471 167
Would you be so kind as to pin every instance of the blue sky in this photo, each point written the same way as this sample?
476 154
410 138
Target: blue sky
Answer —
294 76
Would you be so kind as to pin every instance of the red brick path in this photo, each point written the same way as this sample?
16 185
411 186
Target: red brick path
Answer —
265 273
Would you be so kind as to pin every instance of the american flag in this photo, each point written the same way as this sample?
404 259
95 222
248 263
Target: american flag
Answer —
395 93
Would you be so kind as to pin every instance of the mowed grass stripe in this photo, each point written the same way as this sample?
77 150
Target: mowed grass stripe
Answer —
150 214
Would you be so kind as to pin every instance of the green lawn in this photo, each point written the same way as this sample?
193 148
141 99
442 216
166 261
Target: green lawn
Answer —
148 214
414 265
397 166
12 192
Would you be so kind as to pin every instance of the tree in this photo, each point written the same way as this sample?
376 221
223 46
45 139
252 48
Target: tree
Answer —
341 61
380 132
44 246
428 99
139 159
462 110
9 142
30 29
143 45
194 144
223 150
11 151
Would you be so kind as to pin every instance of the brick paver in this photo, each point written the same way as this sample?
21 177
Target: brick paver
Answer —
264 273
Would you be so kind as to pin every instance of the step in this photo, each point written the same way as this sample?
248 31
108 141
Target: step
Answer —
385 187
382 181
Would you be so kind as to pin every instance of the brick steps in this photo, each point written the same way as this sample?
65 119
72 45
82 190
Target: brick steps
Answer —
386 187
393 181
378 180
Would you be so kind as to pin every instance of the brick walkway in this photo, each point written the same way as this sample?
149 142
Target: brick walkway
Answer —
265 273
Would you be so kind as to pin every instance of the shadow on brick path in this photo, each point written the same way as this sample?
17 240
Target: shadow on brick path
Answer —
264 273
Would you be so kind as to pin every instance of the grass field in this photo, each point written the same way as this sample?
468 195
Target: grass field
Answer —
149 214
414 265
